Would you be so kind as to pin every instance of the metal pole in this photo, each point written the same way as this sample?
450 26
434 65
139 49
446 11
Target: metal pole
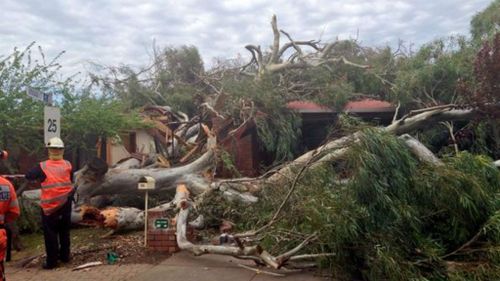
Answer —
146 220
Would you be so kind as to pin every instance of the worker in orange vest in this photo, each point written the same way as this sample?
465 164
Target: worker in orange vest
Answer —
9 211
55 176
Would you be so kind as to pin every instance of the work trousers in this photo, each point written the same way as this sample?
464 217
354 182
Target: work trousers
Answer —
3 251
56 234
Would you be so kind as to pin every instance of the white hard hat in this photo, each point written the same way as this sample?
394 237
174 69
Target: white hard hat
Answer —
55 143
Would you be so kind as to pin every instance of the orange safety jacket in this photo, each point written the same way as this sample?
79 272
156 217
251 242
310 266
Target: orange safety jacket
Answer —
9 211
57 186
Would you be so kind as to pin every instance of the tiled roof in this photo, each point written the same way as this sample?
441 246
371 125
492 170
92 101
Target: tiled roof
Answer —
300 105
365 105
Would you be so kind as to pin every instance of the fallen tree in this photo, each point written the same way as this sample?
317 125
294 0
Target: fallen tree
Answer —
396 218
123 180
380 206
298 59
201 188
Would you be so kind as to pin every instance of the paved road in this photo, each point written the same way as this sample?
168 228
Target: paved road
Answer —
182 266
100 273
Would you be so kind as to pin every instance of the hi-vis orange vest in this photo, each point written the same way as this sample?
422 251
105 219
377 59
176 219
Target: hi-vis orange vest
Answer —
9 211
57 186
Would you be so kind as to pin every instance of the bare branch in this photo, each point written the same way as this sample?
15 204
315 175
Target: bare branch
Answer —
276 41
295 46
283 258
326 50
310 43
396 112
260 271
449 126
345 61
311 256
256 53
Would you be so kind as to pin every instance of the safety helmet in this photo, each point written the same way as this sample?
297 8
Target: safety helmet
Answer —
55 142
3 154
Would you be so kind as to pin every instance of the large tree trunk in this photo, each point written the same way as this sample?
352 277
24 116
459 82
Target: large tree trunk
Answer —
122 180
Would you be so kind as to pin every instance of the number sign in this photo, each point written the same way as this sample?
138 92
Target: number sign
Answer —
52 123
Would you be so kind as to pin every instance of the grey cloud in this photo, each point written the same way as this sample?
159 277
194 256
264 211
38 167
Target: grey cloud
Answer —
115 32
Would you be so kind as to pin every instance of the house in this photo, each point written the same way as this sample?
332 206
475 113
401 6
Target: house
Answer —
241 144
129 144
139 143
316 119
247 155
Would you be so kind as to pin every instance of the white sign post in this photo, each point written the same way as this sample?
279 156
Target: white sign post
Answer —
146 183
52 123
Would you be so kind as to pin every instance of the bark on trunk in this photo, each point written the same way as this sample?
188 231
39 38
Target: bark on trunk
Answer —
124 181
419 150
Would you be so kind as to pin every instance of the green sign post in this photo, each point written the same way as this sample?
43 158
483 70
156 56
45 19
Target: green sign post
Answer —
161 223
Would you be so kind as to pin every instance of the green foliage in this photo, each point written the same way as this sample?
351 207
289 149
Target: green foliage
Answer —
184 98
396 219
321 85
431 76
172 80
177 77
349 124
486 23
418 212
335 83
86 116
228 163
20 116
182 64
279 134
486 137
83 114
370 82
30 219
278 128
329 90
130 90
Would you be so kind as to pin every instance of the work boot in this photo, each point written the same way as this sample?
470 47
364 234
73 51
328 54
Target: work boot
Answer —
47 265
65 259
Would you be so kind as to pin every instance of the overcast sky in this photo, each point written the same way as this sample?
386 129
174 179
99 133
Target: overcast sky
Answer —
113 32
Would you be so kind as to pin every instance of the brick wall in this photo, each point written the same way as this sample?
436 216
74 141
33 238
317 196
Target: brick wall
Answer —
165 239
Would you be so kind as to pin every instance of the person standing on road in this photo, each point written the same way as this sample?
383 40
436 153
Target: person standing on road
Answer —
9 211
55 176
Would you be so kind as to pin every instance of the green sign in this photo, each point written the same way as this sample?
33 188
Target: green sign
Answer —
161 223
